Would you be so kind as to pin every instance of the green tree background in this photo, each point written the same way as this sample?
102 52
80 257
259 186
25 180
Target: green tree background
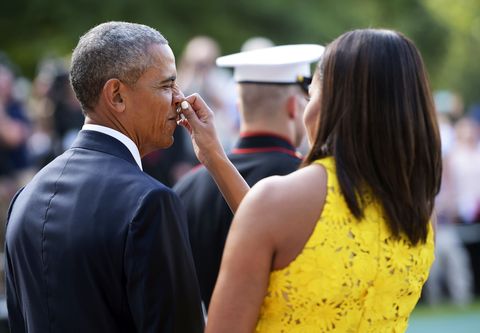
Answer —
447 32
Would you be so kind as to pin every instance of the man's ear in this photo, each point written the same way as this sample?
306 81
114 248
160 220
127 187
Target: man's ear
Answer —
112 95
292 106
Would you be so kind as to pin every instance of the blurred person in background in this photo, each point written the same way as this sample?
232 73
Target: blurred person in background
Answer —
56 113
464 165
452 266
14 134
272 88
40 105
14 125
256 43
474 112
197 73
67 113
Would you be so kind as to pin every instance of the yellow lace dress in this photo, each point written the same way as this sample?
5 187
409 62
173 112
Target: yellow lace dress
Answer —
351 276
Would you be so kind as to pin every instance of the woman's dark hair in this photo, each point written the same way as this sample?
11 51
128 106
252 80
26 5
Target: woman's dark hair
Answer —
378 121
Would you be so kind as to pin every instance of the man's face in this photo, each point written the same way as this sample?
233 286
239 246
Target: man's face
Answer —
152 102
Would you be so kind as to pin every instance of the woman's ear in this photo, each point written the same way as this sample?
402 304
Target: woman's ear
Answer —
112 95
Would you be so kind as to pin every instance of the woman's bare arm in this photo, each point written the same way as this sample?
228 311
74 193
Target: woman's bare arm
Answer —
246 264
209 151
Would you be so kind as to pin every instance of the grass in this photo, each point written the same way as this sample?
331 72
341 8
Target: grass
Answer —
445 318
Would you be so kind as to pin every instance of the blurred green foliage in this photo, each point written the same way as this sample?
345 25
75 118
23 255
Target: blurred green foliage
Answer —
447 32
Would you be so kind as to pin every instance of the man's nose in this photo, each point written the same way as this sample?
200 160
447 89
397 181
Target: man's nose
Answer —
178 95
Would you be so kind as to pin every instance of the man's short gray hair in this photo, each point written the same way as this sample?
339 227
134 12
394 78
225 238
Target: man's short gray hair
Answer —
110 50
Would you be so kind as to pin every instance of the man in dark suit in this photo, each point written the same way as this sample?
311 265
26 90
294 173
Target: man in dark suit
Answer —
272 97
93 243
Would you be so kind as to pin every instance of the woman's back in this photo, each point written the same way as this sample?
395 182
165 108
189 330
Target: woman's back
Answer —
351 276
371 108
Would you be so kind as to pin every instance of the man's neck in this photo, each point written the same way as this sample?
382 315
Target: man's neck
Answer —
98 118
281 131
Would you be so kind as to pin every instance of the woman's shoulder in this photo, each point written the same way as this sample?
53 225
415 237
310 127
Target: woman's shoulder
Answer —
277 198
302 186
285 209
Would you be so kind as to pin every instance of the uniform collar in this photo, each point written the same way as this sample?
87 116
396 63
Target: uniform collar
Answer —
256 142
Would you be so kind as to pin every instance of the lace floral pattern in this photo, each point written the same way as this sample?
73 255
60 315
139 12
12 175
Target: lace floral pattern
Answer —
350 277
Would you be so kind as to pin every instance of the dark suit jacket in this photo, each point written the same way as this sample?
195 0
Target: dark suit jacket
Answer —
93 244
256 156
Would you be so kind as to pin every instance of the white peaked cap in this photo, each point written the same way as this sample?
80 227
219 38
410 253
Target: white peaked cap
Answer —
278 64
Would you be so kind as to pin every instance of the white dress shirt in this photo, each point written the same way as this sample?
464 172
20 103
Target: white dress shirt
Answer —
120 137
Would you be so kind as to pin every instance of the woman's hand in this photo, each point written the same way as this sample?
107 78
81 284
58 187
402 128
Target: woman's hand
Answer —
199 121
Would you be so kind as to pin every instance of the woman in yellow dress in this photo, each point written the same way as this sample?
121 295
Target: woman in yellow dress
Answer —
345 243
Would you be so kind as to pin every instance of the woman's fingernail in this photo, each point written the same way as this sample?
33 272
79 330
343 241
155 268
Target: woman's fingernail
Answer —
185 105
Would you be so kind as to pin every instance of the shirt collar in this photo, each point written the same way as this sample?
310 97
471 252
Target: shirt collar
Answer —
120 137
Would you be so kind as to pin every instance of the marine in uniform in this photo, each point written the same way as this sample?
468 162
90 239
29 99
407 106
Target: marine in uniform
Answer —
272 87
